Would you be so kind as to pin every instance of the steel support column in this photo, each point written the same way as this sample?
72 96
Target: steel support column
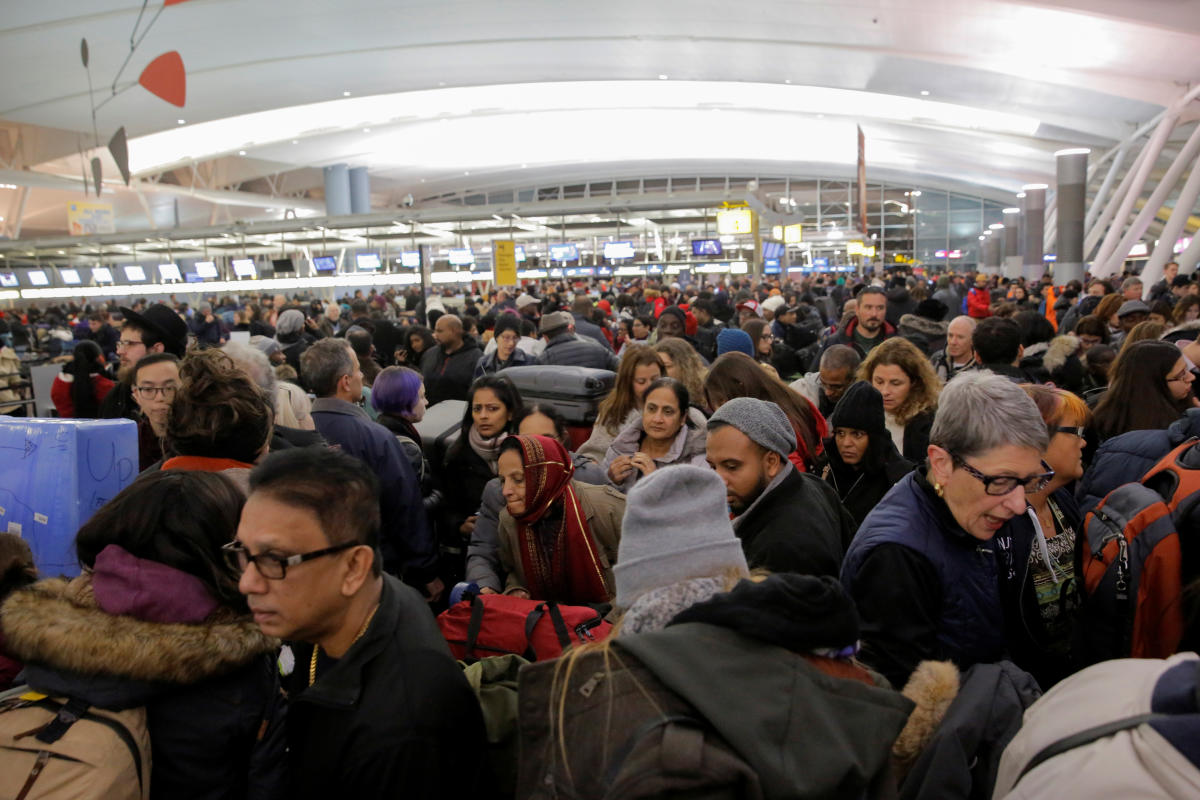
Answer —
1071 175
1165 250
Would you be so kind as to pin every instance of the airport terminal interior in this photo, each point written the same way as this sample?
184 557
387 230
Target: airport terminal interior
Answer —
555 399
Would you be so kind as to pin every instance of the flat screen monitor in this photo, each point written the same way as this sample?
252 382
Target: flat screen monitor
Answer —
564 252
244 267
615 250
38 278
192 277
70 277
707 247
771 266
461 256
519 254
206 269
410 259
134 273
102 275
772 250
169 272
367 261
282 265
820 262
325 263
8 280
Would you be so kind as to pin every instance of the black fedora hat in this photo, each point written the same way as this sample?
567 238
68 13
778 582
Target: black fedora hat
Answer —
165 322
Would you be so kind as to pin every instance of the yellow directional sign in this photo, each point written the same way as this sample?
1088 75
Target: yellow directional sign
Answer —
504 253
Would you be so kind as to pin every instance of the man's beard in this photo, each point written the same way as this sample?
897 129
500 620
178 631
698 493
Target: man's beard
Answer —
740 508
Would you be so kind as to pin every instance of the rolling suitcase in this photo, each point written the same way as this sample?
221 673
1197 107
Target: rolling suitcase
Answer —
575 392
439 428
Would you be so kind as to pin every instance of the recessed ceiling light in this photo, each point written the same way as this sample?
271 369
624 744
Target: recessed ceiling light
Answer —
662 77
241 152
787 80
466 173
366 130
523 166
181 121
345 94
295 141
924 93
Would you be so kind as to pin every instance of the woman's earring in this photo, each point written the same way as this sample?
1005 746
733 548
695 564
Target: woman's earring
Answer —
937 487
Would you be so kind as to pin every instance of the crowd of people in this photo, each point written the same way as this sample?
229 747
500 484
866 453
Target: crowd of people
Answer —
845 529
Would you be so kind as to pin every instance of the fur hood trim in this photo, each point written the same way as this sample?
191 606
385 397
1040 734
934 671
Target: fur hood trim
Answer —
920 324
932 687
1061 348
57 624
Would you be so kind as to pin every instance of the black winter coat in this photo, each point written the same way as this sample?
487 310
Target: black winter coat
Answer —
860 490
916 436
394 717
1023 629
567 349
962 758
449 377
799 526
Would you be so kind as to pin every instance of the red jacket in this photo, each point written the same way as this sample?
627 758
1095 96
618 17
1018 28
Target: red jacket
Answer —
979 303
60 392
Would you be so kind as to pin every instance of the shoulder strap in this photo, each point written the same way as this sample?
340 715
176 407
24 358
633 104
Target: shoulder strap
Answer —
74 710
1087 737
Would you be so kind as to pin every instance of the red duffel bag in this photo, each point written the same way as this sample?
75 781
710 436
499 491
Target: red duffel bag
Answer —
496 624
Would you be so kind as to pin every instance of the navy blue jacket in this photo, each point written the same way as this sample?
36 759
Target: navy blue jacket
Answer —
924 587
1126 458
406 543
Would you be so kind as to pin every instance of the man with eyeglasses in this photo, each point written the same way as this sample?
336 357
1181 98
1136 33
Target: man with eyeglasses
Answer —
376 705
155 379
826 386
158 329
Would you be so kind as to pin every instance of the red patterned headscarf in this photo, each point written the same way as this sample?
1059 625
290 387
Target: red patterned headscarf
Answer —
559 558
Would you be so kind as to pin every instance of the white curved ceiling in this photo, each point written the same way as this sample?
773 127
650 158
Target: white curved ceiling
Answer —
423 93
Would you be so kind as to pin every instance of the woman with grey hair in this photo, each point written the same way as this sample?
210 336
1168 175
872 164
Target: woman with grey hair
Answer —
293 409
922 568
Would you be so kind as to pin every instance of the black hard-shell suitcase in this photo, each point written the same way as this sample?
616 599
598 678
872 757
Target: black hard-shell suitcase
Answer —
439 428
575 392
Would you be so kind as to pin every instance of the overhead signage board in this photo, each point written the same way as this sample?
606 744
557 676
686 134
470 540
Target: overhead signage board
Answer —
504 253
735 220
85 219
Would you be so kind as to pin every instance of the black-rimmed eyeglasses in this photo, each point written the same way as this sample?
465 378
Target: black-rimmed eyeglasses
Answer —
270 566
1078 431
999 485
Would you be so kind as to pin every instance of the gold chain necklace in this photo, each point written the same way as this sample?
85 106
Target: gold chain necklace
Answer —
312 664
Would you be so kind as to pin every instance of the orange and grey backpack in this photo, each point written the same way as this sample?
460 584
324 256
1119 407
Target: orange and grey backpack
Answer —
54 748
1134 560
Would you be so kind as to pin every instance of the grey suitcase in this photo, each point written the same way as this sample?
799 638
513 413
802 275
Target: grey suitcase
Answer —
575 392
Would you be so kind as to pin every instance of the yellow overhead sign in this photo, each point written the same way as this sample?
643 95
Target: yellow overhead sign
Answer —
735 220
504 254
854 248
790 234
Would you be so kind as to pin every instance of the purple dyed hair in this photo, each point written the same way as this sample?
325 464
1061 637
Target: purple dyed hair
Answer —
396 390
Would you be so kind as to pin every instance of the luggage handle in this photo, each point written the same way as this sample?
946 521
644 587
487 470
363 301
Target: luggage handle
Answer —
473 626
560 626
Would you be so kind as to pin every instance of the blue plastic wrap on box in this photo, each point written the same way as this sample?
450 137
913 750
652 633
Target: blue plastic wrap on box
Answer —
54 474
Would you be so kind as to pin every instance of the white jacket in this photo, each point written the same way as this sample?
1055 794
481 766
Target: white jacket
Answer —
1134 763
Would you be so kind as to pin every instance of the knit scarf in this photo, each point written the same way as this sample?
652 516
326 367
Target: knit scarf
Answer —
558 553
487 449
654 609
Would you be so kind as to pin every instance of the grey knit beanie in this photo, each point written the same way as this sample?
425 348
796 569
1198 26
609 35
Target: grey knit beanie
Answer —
290 321
762 421
676 527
